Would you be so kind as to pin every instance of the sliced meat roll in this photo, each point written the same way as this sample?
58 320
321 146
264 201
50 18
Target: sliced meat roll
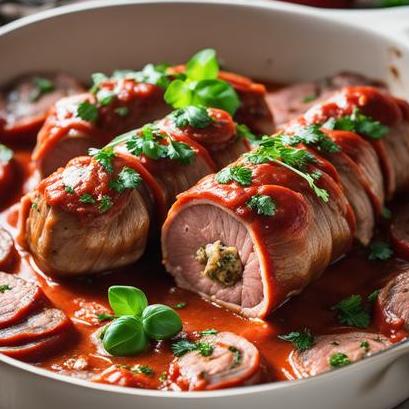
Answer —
250 248
17 298
393 302
233 361
95 214
335 351
399 230
289 102
25 102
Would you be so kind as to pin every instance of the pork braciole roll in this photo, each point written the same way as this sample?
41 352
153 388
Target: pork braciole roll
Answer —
129 99
95 213
260 230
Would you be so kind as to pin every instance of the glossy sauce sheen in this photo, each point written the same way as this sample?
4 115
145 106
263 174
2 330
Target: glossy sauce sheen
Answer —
82 299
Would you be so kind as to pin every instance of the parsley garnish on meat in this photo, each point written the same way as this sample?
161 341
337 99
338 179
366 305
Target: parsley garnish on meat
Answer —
150 74
386 213
87 198
380 250
105 203
196 117
263 205
312 135
210 331
69 189
338 360
302 340
127 179
42 86
243 131
184 346
350 311
359 123
365 346
180 305
87 111
238 174
179 151
142 369
4 288
272 149
104 156
6 154
236 356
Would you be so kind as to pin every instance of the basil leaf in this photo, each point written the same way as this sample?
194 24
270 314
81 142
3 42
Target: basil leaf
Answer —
161 322
178 94
126 300
203 66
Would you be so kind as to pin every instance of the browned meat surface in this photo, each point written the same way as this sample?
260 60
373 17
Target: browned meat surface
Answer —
7 250
399 229
9 176
43 324
289 102
17 298
24 103
394 300
335 351
233 361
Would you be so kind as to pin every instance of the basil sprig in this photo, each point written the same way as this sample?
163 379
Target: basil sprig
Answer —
200 85
136 322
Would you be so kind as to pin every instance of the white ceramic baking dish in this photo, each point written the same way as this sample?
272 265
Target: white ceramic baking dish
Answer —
265 40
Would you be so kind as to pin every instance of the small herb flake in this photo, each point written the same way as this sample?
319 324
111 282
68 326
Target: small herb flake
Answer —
142 369
238 174
302 340
196 117
69 189
380 251
210 331
87 199
128 178
180 305
373 296
338 360
105 317
237 357
104 156
365 346
184 346
122 111
4 288
42 86
263 205
309 98
87 111
105 203
350 311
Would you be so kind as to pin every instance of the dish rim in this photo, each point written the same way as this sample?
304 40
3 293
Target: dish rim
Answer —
310 12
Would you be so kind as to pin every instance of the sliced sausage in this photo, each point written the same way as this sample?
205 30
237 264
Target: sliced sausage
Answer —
17 298
24 103
393 301
43 324
399 230
233 361
7 250
322 356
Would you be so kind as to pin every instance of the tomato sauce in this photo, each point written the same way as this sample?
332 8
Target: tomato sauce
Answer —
82 299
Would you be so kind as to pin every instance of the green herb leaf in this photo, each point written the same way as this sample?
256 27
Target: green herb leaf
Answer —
147 143
244 132
161 322
237 357
42 86
203 65
105 203
127 179
380 250
125 336
373 296
105 317
87 199
350 311
4 288
386 213
69 189
196 117
210 331
180 151
142 369
182 347
104 156
178 94
238 174
338 360
204 348
180 305
6 154
302 340
365 346
87 111
263 205
126 300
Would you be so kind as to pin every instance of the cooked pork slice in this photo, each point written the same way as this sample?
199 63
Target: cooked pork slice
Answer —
394 300
289 102
17 298
335 351
399 229
7 250
24 103
43 324
76 223
230 360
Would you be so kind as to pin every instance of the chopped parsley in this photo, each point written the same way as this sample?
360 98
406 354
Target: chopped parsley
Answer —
373 296
184 346
338 360
238 174
6 154
350 311
163 376
359 123
312 135
122 111
302 340
142 369
380 251
42 86
210 331
179 151
4 288
365 346
180 305
243 131
105 203
196 117
309 98
105 317
263 205
236 357
104 156
87 111
69 189
273 149
386 213
87 198
127 179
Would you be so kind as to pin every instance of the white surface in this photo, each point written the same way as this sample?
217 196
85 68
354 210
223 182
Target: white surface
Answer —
265 40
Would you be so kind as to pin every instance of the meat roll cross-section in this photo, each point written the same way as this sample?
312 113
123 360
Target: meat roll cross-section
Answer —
231 361
399 229
276 218
335 351
25 102
96 213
